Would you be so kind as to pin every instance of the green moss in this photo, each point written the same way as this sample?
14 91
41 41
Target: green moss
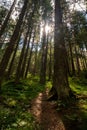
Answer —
79 86
14 109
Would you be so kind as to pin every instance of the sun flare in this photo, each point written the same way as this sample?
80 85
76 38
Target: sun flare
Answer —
47 28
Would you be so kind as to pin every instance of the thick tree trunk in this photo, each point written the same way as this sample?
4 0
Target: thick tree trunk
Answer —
13 41
4 25
60 78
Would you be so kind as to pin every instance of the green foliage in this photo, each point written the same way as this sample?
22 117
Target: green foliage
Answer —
46 9
74 115
15 107
49 85
79 85
78 112
3 12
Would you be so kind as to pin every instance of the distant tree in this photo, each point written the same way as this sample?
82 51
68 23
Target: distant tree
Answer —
46 14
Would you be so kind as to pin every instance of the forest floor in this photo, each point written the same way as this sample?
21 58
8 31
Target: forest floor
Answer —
24 106
50 116
45 113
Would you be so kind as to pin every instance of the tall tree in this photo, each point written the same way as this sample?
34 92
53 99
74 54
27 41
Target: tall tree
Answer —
46 16
60 79
30 56
4 25
43 57
13 41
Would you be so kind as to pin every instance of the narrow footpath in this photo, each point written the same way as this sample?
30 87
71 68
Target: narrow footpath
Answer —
45 113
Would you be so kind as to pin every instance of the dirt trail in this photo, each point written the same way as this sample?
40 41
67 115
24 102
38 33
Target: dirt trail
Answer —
45 113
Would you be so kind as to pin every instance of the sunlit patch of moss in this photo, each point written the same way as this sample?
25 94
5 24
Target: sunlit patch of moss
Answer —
78 85
83 104
12 103
49 85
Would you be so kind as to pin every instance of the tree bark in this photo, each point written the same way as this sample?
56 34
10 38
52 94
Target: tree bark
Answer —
60 78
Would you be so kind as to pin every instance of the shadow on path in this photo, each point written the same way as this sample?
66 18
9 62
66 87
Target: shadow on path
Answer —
45 113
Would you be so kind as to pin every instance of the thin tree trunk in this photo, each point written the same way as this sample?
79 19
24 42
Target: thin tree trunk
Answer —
83 60
13 41
18 72
12 60
30 20
43 58
35 63
4 25
77 61
25 57
29 59
72 61
50 61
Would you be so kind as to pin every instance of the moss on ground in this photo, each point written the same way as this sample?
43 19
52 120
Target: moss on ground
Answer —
16 103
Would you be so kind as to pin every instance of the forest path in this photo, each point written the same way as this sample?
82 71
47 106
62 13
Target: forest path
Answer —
45 113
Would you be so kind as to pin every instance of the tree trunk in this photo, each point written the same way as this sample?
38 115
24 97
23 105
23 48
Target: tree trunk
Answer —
25 57
13 41
12 60
29 59
35 62
19 67
43 58
4 25
72 61
30 23
60 78
50 61
77 61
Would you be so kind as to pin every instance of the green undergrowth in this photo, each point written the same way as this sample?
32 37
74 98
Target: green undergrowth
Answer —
75 115
79 85
16 103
